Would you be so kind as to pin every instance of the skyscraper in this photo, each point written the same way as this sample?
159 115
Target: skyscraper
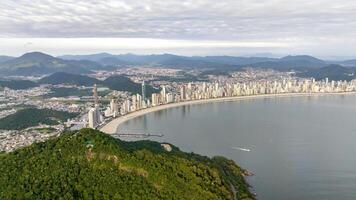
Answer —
163 94
154 99
114 108
143 91
91 118
182 93
134 103
95 95
94 117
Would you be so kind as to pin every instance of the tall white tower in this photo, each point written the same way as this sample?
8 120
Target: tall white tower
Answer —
163 94
92 118
143 91
95 95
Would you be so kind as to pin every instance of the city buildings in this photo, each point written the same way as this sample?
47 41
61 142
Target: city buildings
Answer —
209 90
94 114
94 117
143 91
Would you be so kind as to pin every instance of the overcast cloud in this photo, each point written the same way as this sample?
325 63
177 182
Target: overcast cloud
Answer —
320 27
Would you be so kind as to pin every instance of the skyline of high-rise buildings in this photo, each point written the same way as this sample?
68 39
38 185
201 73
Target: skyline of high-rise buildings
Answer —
211 90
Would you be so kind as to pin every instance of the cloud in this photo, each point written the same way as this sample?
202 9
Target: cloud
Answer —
225 20
200 19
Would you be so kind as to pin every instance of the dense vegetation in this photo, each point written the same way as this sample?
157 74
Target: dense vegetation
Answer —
91 165
18 84
32 117
72 79
123 83
120 83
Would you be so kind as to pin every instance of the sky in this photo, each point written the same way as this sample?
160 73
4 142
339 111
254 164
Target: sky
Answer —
323 28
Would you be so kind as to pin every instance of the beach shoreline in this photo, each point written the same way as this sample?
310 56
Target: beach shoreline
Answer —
112 126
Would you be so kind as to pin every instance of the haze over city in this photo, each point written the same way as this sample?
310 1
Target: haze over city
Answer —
321 28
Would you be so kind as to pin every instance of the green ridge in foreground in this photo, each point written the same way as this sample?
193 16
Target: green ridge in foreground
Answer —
89 164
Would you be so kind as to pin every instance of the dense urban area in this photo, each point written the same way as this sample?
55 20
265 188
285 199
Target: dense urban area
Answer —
94 101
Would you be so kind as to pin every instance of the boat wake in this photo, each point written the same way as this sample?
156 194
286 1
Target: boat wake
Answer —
241 149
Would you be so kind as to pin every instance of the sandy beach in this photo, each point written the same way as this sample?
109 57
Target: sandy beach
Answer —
113 125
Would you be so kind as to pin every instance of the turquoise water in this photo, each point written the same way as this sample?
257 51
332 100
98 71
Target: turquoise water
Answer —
299 147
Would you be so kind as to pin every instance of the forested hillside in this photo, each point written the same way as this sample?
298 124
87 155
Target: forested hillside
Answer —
89 164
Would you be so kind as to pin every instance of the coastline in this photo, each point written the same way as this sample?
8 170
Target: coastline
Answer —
112 126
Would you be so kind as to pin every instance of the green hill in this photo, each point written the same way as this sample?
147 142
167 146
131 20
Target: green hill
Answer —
117 82
67 78
91 165
122 83
18 84
32 117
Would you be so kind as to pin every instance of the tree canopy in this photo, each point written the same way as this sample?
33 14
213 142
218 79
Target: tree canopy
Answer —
88 164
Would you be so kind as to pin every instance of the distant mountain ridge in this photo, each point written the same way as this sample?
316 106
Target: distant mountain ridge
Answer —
5 58
349 62
37 63
212 62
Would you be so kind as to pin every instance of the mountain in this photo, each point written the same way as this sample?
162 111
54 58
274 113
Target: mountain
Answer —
332 72
148 59
88 164
304 58
101 58
67 78
112 61
232 60
18 84
183 62
288 62
37 63
291 62
349 63
5 58
91 57
210 62
166 60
